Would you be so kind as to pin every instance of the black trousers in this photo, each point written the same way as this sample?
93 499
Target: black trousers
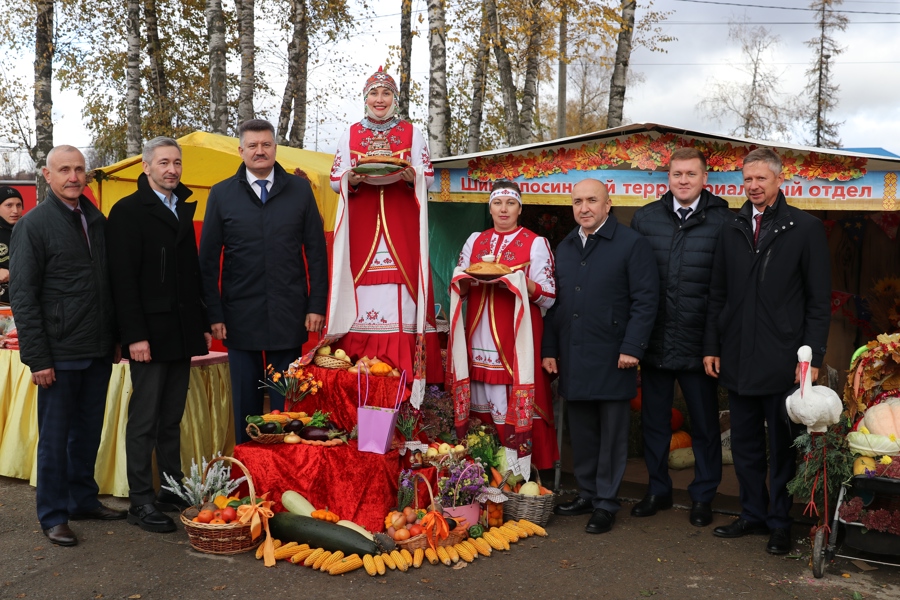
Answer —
154 423
599 431
751 417
700 394
70 420
248 370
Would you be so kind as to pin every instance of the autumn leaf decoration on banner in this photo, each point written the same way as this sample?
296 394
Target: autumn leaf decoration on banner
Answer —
645 152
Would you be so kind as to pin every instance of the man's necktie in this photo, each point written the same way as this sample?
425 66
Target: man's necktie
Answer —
758 219
684 212
77 212
263 190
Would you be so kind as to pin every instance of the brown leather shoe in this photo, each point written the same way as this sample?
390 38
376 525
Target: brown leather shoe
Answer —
101 513
61 535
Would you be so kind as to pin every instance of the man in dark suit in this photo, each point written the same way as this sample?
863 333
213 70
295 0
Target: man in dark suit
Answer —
264 220
594 336
683 228
162 323
66 320
770 294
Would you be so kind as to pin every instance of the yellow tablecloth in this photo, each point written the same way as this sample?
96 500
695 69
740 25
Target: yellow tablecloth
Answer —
206 429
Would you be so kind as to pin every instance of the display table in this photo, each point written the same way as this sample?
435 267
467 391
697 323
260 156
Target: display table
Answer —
206 429
339 395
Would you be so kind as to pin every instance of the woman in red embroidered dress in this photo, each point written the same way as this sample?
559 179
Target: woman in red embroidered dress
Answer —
382 240
489 326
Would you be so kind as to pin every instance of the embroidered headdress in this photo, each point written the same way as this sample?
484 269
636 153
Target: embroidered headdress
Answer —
381 79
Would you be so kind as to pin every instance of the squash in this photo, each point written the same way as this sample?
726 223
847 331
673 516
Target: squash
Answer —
296 503
381 369
681 458
357 528
863 464
323 514
680 439
289 527
883 419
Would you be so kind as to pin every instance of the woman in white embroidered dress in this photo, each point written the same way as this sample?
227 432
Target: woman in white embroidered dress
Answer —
489 328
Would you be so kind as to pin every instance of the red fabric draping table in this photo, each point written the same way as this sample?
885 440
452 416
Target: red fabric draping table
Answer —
339 395
358 486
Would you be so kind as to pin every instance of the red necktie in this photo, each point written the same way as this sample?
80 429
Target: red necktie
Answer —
758 219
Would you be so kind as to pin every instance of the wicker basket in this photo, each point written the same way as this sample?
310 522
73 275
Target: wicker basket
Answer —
264 438
330 362
421 540
230 538
536 509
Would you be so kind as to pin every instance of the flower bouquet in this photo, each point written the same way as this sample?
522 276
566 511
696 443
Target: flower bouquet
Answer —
409 425
294 384
462 488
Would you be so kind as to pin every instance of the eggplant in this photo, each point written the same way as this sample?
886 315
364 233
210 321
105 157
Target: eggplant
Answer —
294 426
315 433
270 427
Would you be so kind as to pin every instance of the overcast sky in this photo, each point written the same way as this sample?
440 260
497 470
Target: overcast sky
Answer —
868 71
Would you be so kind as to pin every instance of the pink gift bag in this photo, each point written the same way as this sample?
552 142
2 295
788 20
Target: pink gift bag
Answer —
375 424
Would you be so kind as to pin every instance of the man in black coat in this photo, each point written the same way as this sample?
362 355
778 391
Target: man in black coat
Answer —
594 337
162 323
770 294
66 320
683 228
264 220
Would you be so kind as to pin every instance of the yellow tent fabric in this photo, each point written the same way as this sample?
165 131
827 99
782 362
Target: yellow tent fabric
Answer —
209 158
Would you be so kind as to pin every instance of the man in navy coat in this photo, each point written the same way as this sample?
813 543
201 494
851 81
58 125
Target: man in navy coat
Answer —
260 223
770 294
594 337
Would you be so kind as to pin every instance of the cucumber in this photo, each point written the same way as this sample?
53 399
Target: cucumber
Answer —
289 527
296 503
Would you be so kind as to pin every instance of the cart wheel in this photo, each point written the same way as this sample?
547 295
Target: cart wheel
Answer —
818 554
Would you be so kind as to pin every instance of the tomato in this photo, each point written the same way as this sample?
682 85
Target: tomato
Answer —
275 412
217 514
205 516
229 514
415 530
401 534
217 522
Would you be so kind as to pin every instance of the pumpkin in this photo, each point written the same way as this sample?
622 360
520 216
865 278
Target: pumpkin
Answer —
677 419
323 514
883 419
680 439
863 464
381 369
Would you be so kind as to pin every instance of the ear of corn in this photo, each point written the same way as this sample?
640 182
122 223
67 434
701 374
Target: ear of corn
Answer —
331 560
518 530
389 561
494 541
379 564
312 558
444 556
298 558
418 557
406 556
345 565
534 527
285 551
468 545
464 553
261 548
452 553
398 559
369 564
321 560
507 533
432 556
483 547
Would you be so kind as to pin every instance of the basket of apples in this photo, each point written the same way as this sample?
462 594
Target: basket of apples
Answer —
325 359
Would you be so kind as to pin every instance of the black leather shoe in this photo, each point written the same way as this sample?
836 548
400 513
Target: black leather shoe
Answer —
650 504
101 513
601 521
168 502
701 514
779 541
61 535
740 528
148 518
578 506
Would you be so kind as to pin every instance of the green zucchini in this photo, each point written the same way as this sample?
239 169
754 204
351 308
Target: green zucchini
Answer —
295 502
289 527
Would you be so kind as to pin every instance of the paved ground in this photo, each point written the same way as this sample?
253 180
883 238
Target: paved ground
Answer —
661 556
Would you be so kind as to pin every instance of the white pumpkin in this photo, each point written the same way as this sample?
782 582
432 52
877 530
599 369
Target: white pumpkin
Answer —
884 418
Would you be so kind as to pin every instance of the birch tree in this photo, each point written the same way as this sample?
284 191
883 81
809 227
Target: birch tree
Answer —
620 71
294 96
160 110
43 89
405 56
218 106
821 91
133 78
438 105
246 11
473 143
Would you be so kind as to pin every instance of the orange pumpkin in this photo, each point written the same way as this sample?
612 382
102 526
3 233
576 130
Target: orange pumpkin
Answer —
381 369
680 439
323 514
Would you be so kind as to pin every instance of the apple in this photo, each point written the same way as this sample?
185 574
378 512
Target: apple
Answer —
339 353
324 351
444 449
431 453
459 449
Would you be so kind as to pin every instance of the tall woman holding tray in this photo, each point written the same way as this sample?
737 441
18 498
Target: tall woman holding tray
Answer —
382 298
491 333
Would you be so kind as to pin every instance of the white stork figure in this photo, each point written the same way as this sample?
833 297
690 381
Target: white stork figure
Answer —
817 406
